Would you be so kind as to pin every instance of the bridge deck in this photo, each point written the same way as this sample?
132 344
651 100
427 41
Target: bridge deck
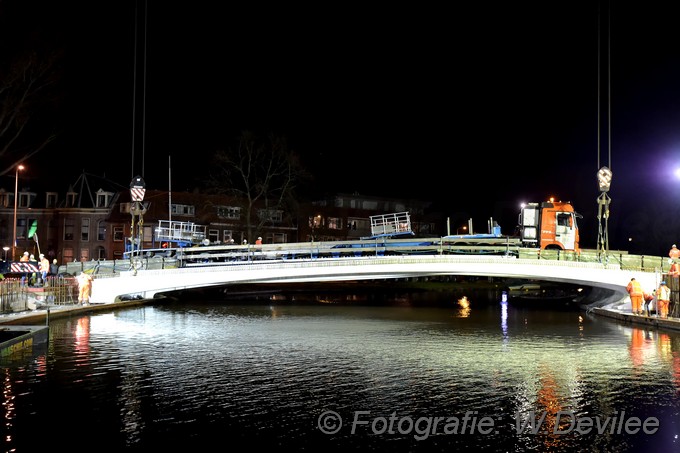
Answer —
610 278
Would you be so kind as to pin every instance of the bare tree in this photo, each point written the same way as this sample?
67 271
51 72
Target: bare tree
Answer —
24 90
261 175
30 71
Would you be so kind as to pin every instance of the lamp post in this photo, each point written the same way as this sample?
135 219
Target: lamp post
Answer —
16 195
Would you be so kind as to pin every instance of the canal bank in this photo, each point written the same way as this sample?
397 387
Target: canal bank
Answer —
44 314
649 322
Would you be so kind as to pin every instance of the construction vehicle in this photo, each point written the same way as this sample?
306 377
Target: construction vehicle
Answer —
550 225
545 226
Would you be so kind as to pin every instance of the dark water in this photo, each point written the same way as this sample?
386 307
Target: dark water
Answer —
372 376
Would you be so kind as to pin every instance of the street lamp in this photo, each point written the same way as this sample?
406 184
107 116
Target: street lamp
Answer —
16 194
464 228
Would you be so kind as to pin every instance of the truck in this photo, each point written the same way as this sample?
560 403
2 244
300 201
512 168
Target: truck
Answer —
549 225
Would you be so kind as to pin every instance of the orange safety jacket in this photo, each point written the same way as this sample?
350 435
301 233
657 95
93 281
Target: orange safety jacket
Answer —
663 293
634 288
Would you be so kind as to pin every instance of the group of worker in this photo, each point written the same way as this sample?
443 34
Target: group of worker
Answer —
641 300
84 280
44 267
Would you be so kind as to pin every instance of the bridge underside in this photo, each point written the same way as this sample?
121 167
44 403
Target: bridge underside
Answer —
608 282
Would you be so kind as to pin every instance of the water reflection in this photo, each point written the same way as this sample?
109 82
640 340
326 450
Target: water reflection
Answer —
188 374
464 305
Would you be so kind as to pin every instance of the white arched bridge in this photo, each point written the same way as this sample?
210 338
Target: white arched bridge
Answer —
608 280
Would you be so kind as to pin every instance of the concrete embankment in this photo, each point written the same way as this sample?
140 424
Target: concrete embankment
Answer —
43 314
649 322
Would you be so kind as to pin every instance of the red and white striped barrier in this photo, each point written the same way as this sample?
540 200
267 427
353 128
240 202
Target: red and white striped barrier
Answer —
24 267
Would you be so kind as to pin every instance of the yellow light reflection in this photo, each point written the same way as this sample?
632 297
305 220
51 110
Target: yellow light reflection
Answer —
464 304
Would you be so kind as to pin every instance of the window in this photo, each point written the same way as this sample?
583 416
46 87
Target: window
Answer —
271 215
103 198
316 221
101 230
100 253
52 231
226 236
125 208
85 229
51 200
277 238
118 234
84 254
563 219
67 255
214 236
229 212
335 223
182 209
71 199
69 228
4 199
357 223
24 200
21 228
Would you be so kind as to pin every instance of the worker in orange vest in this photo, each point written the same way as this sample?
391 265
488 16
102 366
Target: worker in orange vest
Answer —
674 271
663 300
84 288
635 291
674 252
44 269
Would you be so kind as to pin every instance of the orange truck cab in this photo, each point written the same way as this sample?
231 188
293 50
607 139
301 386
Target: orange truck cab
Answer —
550 225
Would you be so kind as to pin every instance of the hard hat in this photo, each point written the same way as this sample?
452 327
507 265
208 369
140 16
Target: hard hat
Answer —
663 283
674 245
25 253
260 238
41 255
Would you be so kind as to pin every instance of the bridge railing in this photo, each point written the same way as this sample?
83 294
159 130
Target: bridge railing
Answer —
114 267
643 263
306 251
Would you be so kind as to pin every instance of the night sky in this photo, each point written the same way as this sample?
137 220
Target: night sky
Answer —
475 106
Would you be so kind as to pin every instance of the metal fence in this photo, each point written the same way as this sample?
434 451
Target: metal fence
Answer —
16 296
